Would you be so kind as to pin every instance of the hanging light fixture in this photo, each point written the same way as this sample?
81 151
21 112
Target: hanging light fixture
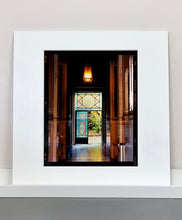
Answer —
87 75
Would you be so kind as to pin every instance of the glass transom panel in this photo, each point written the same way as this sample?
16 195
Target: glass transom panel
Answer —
88 101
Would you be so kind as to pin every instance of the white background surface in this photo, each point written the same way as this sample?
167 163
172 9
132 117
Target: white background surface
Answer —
89 15
153 141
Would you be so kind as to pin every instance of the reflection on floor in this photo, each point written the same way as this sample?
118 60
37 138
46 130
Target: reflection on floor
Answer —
129 152
95 153
89 153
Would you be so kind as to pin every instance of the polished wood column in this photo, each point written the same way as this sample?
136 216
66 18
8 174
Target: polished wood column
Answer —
121 97
131 103
62 110
53 104
113 113
50 84
123 100
126 93
131 84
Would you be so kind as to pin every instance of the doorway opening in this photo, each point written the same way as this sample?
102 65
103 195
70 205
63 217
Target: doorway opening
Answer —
95 127
87 127
87 114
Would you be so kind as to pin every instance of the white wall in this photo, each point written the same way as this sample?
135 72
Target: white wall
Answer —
90 15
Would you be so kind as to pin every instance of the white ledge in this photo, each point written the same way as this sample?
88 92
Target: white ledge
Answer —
9 190
92 191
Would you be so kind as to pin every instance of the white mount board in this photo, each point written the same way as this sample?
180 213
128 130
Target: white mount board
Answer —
153 108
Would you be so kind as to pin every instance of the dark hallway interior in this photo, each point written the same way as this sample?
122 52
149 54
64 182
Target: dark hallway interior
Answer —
85 121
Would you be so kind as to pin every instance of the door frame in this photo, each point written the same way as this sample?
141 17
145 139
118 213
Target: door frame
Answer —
89 90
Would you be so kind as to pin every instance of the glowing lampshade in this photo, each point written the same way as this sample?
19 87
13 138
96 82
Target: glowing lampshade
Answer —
87 75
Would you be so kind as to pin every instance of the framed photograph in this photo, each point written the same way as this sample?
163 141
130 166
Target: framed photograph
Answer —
91 108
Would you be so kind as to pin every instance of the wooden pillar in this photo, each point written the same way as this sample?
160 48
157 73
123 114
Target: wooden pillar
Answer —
126 93
54 108
63 111
50 84
113 114
73 119
131 104
121 91
131 83
104 120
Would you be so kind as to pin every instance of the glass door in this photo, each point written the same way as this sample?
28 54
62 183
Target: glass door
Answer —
81 127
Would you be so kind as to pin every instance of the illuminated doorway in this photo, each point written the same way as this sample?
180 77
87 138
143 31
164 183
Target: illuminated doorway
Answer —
88 117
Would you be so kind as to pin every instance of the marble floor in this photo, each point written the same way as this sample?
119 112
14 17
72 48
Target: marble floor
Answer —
89 153
96 153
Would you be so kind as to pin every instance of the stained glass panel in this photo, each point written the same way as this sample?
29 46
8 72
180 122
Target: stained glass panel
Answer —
88 101
82 124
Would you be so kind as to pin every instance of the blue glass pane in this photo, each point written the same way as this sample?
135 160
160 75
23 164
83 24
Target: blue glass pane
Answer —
82 124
